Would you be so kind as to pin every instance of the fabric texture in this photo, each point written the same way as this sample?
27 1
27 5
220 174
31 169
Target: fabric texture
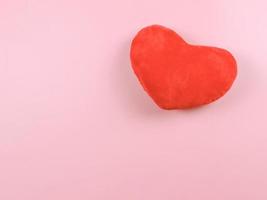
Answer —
178 75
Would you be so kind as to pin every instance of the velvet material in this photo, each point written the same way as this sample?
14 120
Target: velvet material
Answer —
178 75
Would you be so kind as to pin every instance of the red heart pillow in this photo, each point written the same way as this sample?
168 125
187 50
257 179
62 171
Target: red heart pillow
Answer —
178 75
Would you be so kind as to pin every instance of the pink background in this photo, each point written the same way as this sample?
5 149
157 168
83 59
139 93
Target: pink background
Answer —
76 124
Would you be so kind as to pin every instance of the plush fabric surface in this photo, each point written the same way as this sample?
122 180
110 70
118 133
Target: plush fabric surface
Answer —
178 75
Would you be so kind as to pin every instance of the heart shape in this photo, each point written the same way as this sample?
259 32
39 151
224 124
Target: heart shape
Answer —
178 75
